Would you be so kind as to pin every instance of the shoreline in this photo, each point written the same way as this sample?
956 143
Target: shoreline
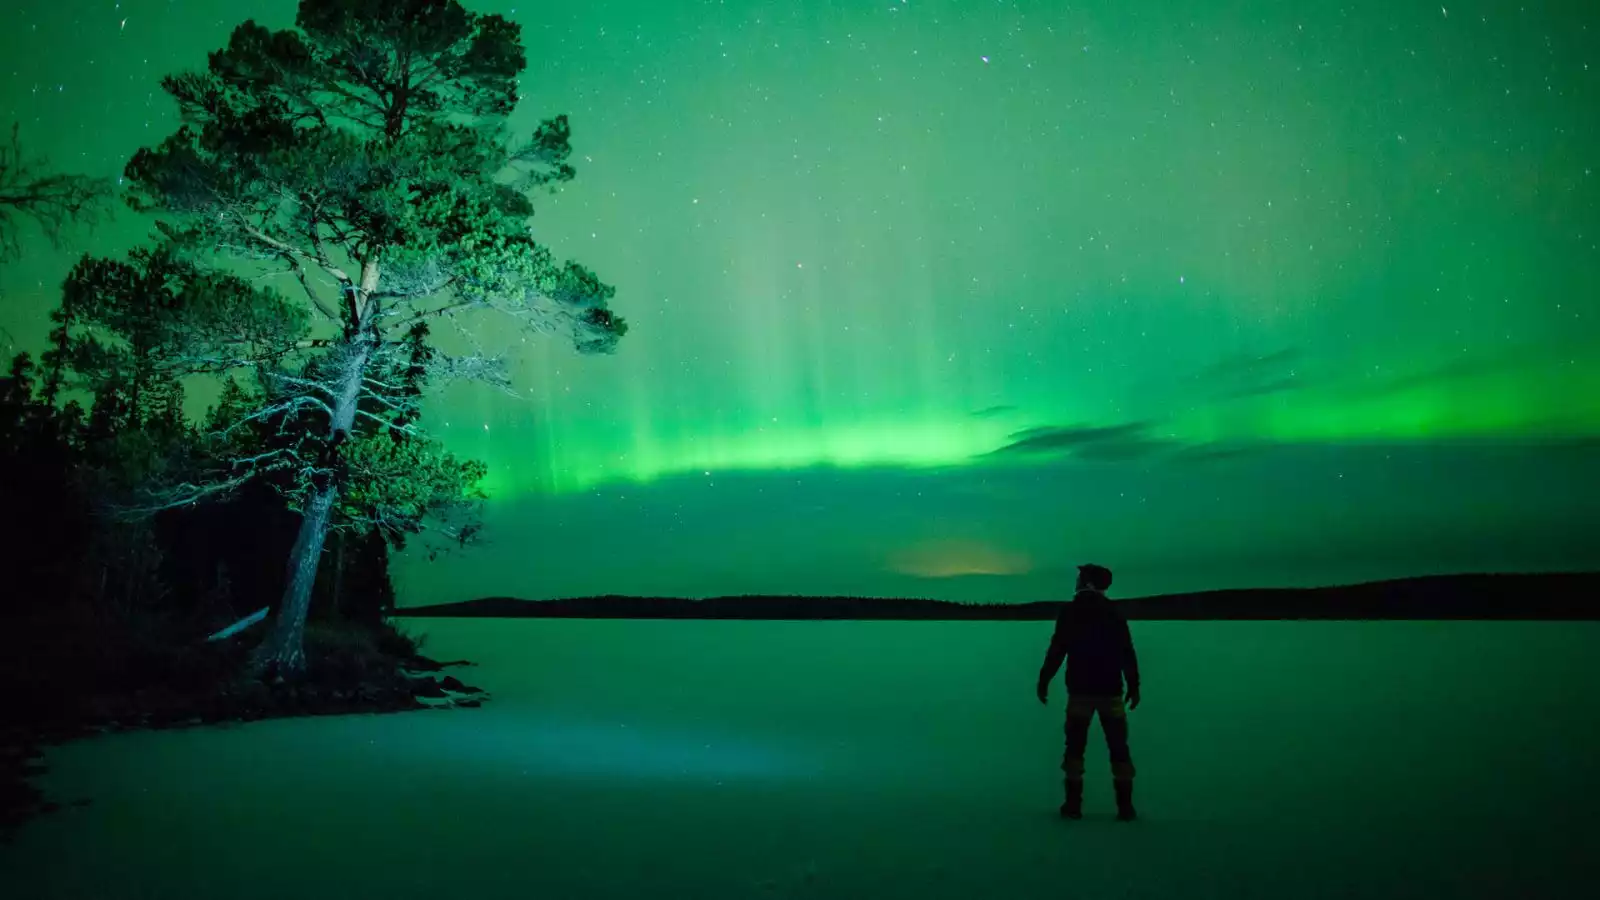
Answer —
414 684
1548 596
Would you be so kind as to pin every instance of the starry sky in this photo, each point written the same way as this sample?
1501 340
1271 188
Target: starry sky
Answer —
942 297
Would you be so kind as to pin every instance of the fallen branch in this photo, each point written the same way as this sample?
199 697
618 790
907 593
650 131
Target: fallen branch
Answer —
240 625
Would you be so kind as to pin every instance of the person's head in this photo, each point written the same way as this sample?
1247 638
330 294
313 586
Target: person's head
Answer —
1094 578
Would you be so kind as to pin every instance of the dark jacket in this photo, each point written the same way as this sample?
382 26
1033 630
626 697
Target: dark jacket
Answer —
1093 637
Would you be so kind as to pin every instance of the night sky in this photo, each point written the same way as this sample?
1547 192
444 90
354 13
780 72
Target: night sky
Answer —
942 298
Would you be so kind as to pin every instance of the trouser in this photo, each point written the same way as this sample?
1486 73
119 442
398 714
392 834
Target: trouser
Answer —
1081 709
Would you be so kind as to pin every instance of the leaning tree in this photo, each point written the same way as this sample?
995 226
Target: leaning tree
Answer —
366 153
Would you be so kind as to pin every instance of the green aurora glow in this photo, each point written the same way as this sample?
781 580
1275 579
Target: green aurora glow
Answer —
972 249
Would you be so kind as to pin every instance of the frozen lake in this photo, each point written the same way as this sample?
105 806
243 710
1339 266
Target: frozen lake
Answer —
873 760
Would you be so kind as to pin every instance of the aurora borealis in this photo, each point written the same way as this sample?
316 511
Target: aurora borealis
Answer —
942 298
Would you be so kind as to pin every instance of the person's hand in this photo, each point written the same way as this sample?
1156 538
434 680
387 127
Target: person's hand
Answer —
1044 692
1133 698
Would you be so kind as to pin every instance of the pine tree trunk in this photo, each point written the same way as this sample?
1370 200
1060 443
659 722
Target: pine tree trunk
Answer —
283 652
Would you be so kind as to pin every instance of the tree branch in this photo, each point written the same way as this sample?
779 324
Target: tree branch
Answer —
290 405
408 321
300 275
407 430
320 258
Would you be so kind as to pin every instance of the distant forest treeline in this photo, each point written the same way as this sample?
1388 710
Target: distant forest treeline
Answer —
1562 596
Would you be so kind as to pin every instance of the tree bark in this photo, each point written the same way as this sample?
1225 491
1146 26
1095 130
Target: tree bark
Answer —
283 652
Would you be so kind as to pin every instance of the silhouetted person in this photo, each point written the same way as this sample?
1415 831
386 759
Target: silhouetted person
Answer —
1093 637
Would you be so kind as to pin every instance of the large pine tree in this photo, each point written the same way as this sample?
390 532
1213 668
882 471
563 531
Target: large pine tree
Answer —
366 152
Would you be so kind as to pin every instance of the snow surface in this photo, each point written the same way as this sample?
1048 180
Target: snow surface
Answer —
871 760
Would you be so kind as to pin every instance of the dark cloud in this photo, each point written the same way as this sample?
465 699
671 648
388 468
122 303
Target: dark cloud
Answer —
1455 370
1118 443
1042 431
990 412
1475 366
1247 364
1106 442
1539 362
1275 386
1122 450
1253 375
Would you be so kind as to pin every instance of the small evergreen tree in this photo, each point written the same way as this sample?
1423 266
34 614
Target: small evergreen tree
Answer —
48 515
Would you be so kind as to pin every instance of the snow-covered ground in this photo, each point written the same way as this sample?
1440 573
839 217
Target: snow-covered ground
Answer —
871 760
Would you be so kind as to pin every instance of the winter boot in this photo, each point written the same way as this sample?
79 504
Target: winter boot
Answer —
1125 811
1073 808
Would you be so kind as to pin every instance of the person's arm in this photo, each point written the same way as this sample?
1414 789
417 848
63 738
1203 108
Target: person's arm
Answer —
1130 664
1054 656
